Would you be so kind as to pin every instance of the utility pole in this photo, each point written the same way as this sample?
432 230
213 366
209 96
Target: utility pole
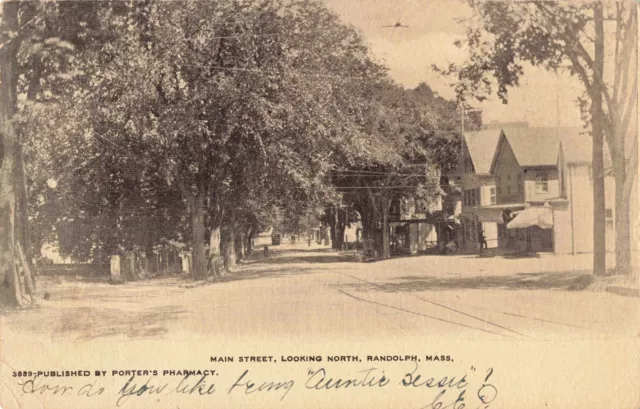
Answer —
597 125
462 127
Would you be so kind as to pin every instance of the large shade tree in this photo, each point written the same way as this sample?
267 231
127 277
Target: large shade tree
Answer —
227 102
33 48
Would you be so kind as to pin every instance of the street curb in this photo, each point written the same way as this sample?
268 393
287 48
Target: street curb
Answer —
624 291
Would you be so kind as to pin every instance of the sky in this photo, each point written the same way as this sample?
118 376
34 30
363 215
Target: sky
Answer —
543 98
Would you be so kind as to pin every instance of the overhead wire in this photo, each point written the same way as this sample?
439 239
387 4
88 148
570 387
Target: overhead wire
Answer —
274 73
385 187
378 174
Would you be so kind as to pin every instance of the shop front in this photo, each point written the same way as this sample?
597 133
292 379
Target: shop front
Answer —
482 226
531 229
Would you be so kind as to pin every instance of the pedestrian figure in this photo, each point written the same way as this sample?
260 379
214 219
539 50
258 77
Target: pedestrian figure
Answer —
482 240
266 251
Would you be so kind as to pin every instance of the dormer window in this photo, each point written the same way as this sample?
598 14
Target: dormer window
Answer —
542 182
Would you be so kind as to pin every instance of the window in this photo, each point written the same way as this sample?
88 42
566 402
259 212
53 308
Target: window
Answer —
471 197
608 213
492 198
542 182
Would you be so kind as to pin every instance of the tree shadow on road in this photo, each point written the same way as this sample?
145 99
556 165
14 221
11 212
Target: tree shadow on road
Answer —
311 256
316 259
571 281
248 272
92 323
89 323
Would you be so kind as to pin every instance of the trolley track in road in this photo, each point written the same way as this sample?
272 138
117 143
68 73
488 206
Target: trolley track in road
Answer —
515 334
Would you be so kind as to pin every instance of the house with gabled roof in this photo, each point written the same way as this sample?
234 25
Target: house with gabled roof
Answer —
544 190
477 188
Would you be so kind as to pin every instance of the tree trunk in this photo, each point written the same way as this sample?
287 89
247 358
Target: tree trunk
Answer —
364 220
229 250
197 239
622 227
386 250
215 259
10 293
29 281
597 125
371 226
379 216
7 217
239 243
249 242
129 266
338 229
22 223
332 223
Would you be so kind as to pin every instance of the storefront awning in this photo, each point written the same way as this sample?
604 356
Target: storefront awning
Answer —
492 213
541 216
488 214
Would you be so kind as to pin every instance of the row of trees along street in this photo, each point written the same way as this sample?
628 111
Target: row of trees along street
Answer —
127 124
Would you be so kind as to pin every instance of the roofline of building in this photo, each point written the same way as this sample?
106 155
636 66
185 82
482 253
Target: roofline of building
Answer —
539 166
496 152
552 200
501 206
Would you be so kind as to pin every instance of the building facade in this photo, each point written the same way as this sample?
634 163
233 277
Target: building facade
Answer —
544 191
477 188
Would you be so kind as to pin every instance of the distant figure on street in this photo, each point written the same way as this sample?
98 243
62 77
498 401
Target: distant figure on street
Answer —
266 251
309 241
482 240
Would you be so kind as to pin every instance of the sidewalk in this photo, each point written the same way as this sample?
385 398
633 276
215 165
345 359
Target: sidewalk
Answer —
625 286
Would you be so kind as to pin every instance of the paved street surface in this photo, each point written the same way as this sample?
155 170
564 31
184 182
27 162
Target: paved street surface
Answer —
302 293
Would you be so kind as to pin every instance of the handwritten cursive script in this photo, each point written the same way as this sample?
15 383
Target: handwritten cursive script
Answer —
453 391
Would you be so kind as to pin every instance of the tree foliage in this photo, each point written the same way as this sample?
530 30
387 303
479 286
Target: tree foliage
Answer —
165 120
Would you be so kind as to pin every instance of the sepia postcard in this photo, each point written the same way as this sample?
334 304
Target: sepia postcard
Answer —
408 204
